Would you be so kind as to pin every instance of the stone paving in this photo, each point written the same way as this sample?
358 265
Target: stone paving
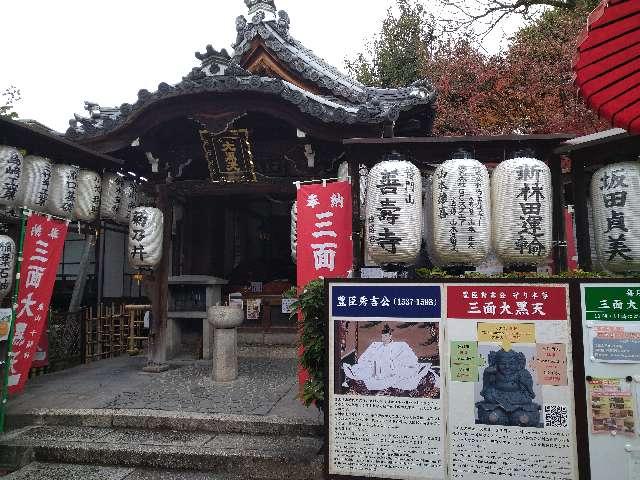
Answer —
266 386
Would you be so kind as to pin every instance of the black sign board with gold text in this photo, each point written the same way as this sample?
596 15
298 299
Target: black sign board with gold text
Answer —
228 155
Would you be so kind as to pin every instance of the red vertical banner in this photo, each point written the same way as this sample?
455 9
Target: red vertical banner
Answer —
325 246
43 244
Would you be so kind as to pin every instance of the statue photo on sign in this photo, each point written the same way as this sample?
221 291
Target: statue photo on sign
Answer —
508 392
389 366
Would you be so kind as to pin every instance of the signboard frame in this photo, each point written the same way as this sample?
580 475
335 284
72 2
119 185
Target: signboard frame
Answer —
577 356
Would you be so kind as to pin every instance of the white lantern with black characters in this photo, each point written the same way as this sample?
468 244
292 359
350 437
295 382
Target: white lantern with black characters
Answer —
294 232
112 185
461 212
615 196
7 264
145 237
34 183
394 211
522 211
88 198
10 173
63 189
128 201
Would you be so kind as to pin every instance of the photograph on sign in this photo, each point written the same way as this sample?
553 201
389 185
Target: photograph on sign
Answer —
509 391
399 359
612 406
384 383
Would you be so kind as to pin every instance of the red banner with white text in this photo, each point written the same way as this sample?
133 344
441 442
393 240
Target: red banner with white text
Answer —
42 248
324 243
324 231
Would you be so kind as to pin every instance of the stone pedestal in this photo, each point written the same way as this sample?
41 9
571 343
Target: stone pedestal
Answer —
189 298
225 321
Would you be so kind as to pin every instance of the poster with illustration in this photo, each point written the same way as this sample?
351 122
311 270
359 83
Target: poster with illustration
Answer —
510 394
385 381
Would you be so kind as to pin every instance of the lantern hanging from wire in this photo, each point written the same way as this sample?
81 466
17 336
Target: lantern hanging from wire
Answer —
112 185
615 196
394 211
128 202
7 264
294 232
461 210
63 189
522 211
10 173
145 237
88 198
34 183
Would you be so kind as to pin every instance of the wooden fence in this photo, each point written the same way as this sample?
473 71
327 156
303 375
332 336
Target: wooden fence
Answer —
112 330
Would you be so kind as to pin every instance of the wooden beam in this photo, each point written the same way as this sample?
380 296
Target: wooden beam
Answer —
354 173
580 187
559 234
159 291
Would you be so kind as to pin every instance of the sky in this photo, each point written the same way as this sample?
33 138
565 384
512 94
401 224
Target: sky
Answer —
61 53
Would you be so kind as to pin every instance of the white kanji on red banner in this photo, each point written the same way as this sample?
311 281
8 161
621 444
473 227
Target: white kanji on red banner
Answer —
43 245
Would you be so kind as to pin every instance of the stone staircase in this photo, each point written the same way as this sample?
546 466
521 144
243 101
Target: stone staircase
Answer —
159 445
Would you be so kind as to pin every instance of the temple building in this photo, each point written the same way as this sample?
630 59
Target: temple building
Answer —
221 149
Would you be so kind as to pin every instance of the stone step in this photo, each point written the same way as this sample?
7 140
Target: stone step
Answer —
168 420
241 455
67 471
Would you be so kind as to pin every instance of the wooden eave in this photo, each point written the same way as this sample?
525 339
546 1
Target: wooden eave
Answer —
57 148
259 58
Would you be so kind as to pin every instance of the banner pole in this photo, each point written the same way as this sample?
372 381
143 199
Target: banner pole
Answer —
7 366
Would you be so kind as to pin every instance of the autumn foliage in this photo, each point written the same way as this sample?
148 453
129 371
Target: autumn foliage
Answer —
526 89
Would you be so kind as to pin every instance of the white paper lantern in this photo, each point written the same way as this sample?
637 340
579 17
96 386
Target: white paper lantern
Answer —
63 190
10 173
294 232
145 237
34 183
461 211
128 201
394 212
112 185
88 198
7 264
615 196
522 211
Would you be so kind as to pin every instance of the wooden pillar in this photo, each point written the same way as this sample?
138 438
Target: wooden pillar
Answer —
356 227
159 290
580 188
559 233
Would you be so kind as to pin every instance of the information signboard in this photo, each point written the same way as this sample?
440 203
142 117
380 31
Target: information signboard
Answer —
510 395
611 334
384 389
450 381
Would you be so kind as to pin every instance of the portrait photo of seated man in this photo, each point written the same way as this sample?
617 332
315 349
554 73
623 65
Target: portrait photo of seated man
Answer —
390 367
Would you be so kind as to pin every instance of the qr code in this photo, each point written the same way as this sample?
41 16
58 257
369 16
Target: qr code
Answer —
556 416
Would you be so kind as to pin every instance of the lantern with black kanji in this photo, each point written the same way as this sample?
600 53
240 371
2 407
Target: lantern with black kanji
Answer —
7 264
34 183
394 211
10 173
128 201
112 185
88 197
294 232
615 196
461 210
63 189
521 197
145 237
